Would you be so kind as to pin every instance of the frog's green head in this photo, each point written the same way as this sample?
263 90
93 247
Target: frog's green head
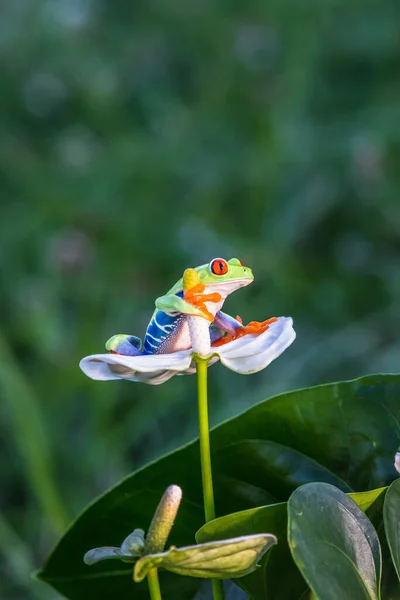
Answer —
224 276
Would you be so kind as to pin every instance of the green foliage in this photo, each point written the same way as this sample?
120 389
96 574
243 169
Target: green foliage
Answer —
391 515
345 433
334 544
279 578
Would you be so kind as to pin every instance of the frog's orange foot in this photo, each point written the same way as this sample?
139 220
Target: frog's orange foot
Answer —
224 340
195 297
254 327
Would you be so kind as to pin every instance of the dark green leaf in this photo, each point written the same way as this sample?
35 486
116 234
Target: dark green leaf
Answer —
274 468
120 582
372 504
349 429
368 501
279 577
334 544
391 515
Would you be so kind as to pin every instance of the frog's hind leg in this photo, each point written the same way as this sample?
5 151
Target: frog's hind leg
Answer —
127 345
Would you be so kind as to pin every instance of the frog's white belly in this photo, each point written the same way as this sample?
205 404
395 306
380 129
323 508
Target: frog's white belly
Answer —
181 337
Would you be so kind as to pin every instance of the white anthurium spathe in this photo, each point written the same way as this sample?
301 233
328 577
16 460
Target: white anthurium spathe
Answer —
247 354
397 461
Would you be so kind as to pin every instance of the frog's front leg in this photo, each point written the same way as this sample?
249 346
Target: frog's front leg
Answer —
193 302
235 329
174 305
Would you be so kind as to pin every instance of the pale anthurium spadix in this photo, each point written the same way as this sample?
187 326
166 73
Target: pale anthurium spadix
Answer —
224 559
188 320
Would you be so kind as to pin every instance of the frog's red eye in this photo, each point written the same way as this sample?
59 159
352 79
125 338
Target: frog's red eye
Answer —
241 263
219 266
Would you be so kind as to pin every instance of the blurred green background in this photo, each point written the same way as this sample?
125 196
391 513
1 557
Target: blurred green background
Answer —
138 139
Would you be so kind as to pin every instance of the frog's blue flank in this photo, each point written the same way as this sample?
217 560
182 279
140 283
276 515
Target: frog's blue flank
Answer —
159 329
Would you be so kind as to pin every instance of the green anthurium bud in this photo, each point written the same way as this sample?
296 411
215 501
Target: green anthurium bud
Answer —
225 559
163 520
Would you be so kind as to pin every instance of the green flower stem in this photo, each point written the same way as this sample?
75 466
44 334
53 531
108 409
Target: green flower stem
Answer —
205 457
217 589
154 585
206 474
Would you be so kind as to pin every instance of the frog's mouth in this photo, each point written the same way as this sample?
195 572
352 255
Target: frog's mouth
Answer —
227 287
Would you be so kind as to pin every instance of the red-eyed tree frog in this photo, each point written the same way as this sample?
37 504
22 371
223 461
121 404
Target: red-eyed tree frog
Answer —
200 292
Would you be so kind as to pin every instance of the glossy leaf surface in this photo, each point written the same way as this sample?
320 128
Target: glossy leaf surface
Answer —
344 432
391 515
334 544
280 577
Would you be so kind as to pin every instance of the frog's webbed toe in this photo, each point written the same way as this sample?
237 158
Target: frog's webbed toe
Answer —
127 345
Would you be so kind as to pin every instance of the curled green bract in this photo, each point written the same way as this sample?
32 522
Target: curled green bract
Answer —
225 559
130 549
